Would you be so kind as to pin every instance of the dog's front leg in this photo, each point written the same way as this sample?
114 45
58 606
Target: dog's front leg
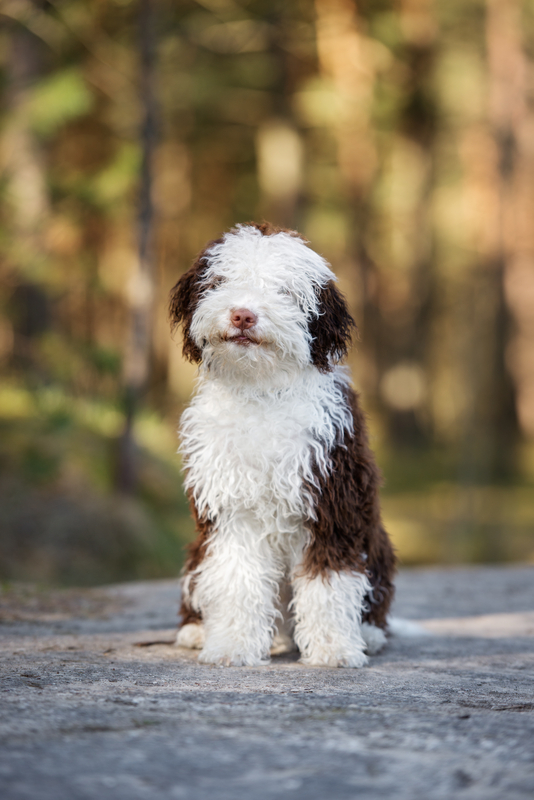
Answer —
236 592
328 611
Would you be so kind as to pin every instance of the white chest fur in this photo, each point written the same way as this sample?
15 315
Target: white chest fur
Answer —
252 450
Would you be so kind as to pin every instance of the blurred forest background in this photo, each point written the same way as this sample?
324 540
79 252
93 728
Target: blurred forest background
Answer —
397 135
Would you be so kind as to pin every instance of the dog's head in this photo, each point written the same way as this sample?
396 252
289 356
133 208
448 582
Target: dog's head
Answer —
257 299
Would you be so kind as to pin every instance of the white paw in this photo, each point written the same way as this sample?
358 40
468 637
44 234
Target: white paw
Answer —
374 638
353 660
191 636
231 660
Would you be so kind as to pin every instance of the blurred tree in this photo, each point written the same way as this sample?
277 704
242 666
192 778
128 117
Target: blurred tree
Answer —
490 432
27 204
400 280
142 289
396 134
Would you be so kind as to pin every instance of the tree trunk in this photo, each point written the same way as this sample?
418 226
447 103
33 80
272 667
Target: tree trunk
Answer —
137 360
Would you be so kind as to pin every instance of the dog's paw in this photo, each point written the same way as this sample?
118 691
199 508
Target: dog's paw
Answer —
191 636
352 660
356 661
374 638
231 660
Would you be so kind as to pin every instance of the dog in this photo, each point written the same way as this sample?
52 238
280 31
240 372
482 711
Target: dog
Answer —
290 551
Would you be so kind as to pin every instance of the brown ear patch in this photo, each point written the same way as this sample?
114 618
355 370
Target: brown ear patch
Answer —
331 330
184 299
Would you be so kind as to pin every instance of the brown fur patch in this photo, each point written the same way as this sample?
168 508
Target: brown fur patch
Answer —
196 552
268 229
184 299
332 330
348 526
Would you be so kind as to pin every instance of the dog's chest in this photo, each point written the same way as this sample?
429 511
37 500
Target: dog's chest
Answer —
248 452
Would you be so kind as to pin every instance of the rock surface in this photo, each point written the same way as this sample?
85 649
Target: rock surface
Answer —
88 713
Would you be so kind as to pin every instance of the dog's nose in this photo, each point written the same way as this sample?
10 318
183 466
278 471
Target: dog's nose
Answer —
243 318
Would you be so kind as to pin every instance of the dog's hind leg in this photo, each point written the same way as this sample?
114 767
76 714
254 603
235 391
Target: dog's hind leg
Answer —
191 635
375 638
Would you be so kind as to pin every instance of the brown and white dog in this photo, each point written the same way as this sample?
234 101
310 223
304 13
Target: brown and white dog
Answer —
282 483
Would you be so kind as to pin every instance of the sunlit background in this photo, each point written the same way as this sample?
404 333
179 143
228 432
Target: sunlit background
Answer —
397 135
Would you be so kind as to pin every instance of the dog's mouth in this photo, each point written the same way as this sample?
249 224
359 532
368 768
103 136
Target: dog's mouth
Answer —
242 339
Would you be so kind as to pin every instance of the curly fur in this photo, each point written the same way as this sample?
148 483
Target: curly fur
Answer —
281 480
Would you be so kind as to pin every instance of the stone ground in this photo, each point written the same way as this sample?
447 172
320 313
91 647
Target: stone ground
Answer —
97 703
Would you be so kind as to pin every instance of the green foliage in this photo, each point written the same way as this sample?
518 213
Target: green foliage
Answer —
106 360
393 109
60 519
118 178
57 99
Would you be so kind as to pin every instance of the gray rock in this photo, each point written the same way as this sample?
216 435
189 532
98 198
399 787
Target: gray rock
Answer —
88 713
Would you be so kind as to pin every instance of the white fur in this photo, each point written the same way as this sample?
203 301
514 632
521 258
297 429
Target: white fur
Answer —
374 638
328 613
261 417
191 636
276 277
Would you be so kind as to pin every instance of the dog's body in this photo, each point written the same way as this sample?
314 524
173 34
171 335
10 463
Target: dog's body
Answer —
282 483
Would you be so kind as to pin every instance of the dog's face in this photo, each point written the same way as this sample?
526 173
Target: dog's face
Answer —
259 300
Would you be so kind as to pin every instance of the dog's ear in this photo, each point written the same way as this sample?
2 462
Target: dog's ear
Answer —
184 299
331 329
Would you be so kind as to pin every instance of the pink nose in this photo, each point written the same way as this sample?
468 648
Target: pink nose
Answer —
243 318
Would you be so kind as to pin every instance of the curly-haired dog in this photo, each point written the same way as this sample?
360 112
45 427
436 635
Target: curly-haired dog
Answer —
281 480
